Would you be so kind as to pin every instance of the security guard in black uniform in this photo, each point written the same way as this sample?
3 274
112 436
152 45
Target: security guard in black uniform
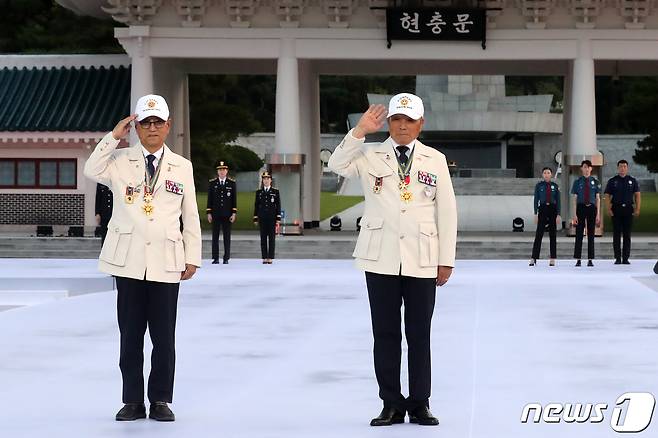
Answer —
267 214
222 210
103 208
621 192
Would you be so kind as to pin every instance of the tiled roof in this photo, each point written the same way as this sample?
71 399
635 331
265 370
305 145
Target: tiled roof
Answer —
63 99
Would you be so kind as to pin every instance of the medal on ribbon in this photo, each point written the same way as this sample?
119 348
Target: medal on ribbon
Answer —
149 185
403 173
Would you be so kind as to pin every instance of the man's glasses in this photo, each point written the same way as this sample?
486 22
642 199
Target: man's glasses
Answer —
146 124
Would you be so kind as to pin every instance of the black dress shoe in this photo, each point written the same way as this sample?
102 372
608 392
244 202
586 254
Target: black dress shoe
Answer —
131 412
215 262
625 262
617 261
423 416
225 262
578 262
161 412
387 417
589 263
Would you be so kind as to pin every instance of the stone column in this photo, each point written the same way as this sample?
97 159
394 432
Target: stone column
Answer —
141 78
582 114
314 159
288 159
581 129
287 123
310 140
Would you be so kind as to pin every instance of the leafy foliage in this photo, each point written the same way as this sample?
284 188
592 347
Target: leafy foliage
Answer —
43 26
647 151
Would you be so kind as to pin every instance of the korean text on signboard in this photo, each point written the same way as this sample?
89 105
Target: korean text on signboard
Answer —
447 24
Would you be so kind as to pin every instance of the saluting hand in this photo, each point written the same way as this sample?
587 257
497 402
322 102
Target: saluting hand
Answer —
443 274
371 121
123 127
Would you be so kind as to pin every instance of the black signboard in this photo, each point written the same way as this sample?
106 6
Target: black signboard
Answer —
437 24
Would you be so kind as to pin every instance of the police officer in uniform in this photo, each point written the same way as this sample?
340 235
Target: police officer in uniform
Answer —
623 201
586 202
406 246
145 249
103 208
267 214
222 210
547 211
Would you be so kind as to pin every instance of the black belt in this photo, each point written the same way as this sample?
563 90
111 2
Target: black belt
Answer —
586 205
621 205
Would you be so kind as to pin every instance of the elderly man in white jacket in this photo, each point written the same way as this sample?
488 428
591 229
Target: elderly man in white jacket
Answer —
406 245
146 250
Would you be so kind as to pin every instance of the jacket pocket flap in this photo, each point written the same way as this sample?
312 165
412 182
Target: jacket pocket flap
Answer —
428 229
122 229
373 223
174 235
380 173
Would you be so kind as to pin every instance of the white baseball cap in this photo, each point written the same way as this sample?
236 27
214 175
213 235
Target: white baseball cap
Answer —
151 105
408 104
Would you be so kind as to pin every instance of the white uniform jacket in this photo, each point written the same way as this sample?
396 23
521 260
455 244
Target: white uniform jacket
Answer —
140 246
411 238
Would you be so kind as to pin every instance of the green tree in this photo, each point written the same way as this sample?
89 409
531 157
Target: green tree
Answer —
43 26
647 151
343 95
223 107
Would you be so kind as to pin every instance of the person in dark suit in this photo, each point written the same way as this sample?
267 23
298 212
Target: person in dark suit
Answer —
222 210
267 214
103 208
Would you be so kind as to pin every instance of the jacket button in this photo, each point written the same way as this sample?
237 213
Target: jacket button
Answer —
116 230
402 237
148 243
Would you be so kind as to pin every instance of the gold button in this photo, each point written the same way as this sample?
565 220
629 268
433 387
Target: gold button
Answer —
116 230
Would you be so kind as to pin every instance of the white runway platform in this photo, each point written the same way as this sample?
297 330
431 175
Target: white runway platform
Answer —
285 351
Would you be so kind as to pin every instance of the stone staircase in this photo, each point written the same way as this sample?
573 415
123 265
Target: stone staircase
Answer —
494 186
329 245
18 291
